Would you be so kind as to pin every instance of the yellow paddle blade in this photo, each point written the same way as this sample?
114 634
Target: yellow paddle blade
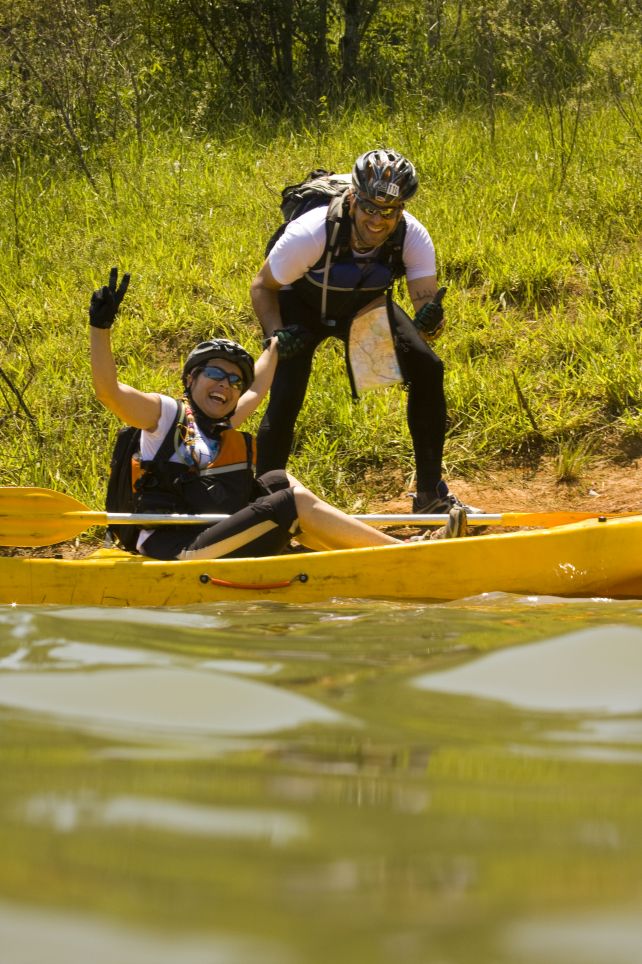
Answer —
41 517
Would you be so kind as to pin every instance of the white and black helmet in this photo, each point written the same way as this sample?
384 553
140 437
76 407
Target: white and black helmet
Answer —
220 348
384 176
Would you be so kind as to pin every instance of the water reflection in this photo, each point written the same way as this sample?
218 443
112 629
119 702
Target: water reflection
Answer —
30 936
576 939
68 813
173 700
268 783
597 669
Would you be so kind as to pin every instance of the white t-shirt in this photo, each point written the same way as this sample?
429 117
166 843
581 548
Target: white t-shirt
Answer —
303 242
150 442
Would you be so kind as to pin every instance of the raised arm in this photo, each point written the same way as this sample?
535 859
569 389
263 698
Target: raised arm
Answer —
132 406
263 375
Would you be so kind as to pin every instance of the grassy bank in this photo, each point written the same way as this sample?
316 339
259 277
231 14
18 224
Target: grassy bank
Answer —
538 241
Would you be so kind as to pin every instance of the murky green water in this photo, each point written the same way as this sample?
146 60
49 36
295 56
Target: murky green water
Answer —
357 782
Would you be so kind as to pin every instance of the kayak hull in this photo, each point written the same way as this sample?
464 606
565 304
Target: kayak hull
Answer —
587 559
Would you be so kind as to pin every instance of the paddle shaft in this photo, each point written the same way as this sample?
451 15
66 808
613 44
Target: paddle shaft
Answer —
507 519
41 517
152 520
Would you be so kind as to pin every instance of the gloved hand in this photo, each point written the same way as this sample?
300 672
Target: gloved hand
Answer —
429 320
105 302
291 340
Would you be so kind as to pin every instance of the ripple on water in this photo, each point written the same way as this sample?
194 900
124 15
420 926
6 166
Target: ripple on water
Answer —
597 938
598 669
163 699
69 812
58 938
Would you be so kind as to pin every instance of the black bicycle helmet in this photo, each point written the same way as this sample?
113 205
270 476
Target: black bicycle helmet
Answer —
220 348
384 176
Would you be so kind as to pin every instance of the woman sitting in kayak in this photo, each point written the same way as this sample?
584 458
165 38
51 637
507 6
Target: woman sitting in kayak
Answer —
211 466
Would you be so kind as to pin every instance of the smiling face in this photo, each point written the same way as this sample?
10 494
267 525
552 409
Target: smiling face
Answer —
369 227
216 397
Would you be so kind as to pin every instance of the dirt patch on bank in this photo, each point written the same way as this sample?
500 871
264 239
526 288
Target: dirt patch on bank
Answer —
604 487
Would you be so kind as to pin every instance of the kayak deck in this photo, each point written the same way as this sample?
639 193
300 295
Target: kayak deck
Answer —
586 559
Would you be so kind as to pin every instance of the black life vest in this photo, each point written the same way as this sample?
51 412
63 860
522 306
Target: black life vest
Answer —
339 285
224 485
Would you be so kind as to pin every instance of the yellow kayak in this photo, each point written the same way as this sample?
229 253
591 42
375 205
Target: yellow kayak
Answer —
586 559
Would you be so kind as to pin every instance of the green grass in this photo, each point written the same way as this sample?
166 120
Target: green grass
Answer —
544 298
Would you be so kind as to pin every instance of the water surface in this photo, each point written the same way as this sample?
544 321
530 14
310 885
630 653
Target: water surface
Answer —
354 782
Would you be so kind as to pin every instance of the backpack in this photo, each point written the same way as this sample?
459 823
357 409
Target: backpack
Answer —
125 470
319 188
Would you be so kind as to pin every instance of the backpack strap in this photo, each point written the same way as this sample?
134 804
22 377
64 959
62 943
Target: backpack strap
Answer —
338 212
393 249
338 227
168 446
250 449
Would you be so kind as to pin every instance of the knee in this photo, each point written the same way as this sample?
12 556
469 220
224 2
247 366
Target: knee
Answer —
273 481
304 500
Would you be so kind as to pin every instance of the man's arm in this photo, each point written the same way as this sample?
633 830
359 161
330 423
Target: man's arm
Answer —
422 291
426 298
264 293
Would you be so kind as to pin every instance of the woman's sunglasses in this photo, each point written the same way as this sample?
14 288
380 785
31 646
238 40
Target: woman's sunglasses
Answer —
219 375
372 209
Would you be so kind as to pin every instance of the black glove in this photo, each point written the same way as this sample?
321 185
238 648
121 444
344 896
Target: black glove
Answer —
105 302
430 317
291 340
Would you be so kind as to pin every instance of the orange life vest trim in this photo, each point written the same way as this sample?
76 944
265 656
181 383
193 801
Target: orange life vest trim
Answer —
234 453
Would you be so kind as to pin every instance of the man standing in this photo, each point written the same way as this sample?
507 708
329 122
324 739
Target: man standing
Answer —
329 265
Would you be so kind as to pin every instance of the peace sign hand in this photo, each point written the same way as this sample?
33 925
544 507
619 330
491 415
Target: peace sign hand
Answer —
105 302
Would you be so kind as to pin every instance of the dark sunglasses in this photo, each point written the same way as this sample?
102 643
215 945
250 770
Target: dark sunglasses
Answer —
219 375
371 209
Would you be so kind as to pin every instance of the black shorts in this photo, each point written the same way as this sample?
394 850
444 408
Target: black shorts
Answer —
267 525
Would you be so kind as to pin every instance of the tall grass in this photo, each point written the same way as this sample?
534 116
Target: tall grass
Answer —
544 296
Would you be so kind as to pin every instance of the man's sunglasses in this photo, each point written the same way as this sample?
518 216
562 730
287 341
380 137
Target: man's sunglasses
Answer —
372 209
219 375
